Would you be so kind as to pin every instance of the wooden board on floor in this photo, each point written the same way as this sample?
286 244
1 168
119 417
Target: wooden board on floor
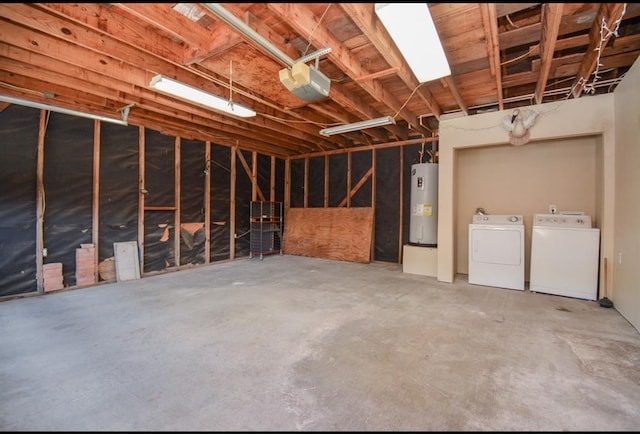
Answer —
343 234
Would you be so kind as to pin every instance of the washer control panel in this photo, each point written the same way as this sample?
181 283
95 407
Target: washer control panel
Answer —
562 220
497 219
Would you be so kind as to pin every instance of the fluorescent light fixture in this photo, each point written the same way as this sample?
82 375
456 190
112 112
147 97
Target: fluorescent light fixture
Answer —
377 122
40 106
193 94
412 29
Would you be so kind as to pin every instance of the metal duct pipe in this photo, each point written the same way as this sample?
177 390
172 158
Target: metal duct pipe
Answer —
218 10
65 111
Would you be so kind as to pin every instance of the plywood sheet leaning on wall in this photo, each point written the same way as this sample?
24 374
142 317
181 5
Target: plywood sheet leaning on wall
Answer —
342 234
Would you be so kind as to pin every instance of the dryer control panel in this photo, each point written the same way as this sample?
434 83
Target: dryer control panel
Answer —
497 219
562 220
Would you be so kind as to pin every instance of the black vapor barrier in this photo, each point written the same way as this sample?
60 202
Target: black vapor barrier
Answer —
264 176
219 167
296 198
337 179
118 212
68 190
360 165
159 191
243 205
315 196
18 160
280 174
192 179
387 217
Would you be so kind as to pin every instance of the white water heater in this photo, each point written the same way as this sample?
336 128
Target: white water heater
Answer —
423 226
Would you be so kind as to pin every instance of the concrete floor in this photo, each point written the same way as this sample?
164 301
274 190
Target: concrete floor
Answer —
293 343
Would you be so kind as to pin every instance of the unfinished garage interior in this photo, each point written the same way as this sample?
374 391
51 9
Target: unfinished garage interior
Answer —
330 240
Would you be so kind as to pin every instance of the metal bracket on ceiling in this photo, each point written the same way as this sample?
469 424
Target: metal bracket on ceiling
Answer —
125 111
315 55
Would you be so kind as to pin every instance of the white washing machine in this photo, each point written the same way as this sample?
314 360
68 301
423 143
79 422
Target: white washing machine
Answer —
565 254
496 251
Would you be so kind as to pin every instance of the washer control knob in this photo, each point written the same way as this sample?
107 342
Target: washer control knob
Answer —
513 218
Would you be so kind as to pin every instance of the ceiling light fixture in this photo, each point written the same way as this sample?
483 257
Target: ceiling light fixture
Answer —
190 93
377 122
37 105
412 29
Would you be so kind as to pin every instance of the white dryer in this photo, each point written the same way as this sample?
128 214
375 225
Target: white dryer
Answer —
496 251
565 255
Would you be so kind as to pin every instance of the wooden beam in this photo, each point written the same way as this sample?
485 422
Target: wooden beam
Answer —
380 74
373 202
207 202
453 88
272 180
348 198
254 177
490 24
112 58
304 22
401 206
177 146
95 214
326 181
232 206
366 148
255 189
287 183
349 100
224 39
503 9
141 195
306 182
169 21
42 131
551 18
362 14
358 186
161 115
608 14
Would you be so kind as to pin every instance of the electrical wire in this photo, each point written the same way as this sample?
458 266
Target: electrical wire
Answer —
511 22
506 62
408 99
314 29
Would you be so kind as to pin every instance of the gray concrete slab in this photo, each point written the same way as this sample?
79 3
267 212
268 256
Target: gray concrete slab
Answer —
293 343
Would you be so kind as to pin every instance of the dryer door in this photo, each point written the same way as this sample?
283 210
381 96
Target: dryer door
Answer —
496 245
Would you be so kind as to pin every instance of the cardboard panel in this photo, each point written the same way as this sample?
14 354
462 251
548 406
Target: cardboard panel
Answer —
127 262
343 234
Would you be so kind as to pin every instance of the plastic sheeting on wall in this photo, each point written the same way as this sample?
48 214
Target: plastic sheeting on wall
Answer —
18 148
264 176
337 179
387 217
160 191
243 205
315 195
68 186
118 210
280 175
220 169
360 165
296 198
192 178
